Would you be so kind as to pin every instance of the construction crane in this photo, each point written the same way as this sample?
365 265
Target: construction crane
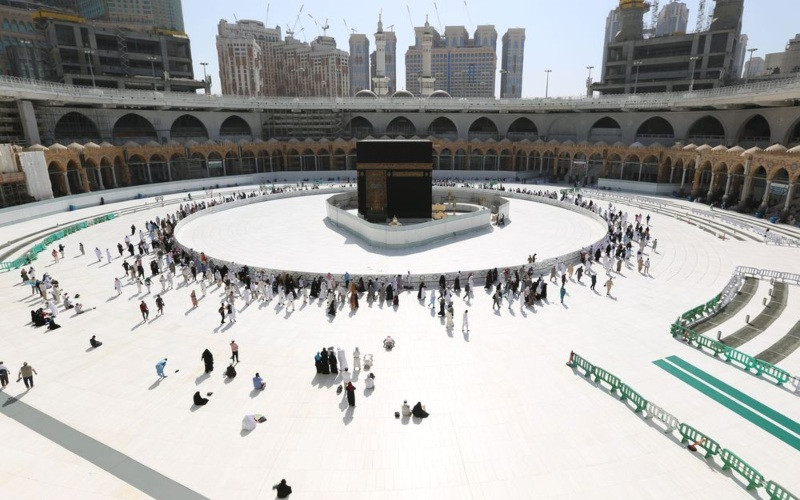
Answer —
325 27
266 21
438 19
701 17
410 19
353 30
315 23
297 19
469 17
653 15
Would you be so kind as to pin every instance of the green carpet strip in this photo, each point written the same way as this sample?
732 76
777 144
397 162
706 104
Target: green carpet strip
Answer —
732 405
738 395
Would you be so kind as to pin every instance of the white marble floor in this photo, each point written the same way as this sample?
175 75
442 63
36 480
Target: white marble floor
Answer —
508 418
261 235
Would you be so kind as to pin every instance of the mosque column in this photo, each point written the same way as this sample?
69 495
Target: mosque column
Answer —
765 200
640 171
114 176
149 175
747 183
169 170
671 173
711 185
789 196
66 183
99 174
683 178
727 189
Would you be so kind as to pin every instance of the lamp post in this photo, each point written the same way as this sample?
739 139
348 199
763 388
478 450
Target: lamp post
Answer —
547 83
589 82
88 53
693 60
636 82
205 77
152 60
749 65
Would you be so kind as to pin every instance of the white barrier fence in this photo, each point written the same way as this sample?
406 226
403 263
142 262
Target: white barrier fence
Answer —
769 236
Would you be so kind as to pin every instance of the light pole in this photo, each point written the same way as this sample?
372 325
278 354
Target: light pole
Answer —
693 60
205 77
89 53
152 60
749 65
547 83
502 90
636 82
589 82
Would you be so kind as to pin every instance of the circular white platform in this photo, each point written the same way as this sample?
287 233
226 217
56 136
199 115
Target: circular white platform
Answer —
292 234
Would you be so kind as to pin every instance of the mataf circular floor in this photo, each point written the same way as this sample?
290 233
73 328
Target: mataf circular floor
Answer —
293 234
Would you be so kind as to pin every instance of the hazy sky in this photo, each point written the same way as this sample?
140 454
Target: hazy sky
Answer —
563 36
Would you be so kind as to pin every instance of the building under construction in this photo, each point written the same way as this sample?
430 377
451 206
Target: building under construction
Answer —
708 58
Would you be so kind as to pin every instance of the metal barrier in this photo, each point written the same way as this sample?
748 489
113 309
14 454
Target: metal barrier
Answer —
688 434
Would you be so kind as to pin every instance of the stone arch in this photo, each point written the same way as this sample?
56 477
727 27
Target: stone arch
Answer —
460 159
655 129
181 168
235 128
401 126
107 173
188 127
706 130
360 127
215 164
755 132
520 161
737 178
522 128
443 127
137 168
58 179
614 167
793 139
277 161
308 160
133 127
562 129
483 128
649 169
702 179
605 129
445 159
340 159
323 159
476 160
293 161
76 127
75 176
159 168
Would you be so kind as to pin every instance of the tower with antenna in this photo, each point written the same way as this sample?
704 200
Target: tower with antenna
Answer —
380 82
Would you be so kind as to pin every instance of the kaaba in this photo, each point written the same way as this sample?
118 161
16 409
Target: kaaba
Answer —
395 179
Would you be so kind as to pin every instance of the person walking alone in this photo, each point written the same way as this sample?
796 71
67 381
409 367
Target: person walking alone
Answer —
160 305
160 368
4 371
234 351
465 322
144 310
26 374
594 281
609 284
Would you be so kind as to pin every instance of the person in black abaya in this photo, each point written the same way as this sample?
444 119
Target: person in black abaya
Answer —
418 411
200 400
457 283
332 308
351 394
389 293
333 363
325 362
208 359
441 306
419 290
442 282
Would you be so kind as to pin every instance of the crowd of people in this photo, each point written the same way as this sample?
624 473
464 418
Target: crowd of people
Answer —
151 256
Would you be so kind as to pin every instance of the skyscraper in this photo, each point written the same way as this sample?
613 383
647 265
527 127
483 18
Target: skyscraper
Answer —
460 65
613 23
359 63
390 63
253 60
160 13
511 63
673 18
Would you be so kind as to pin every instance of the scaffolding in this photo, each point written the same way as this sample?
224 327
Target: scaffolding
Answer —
122 46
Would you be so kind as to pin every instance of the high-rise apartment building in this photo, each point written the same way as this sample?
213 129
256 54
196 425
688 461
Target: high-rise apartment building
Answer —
672 18
456 63
613 24
635 63
359 63
159 13
253 60
755 67
784 62
511 63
